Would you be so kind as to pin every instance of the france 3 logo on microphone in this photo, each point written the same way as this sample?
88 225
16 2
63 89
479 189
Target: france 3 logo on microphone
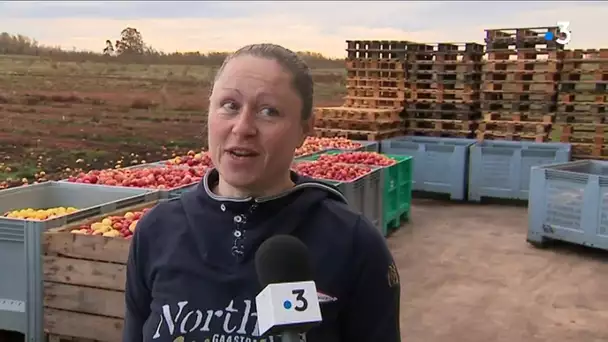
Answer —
563 36
288 306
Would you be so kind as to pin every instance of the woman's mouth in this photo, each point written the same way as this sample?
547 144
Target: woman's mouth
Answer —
238 152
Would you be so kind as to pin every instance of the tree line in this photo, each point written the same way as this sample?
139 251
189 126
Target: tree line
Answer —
132 49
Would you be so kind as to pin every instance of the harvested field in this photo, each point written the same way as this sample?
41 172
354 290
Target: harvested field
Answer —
61 116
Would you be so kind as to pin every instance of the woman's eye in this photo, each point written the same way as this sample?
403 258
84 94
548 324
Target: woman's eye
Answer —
269 112
230 106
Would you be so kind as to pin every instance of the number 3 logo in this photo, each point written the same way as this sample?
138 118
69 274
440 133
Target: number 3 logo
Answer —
564 35
302 302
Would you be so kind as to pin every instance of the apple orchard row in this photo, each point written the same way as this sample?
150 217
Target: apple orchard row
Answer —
190 169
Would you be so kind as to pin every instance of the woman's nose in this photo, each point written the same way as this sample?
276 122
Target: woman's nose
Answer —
245 123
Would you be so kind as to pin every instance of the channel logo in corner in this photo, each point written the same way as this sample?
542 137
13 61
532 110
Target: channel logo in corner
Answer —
564 35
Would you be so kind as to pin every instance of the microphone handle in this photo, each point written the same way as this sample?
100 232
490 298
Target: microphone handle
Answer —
290 336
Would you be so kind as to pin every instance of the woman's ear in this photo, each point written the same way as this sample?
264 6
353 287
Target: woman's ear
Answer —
308 128
310 125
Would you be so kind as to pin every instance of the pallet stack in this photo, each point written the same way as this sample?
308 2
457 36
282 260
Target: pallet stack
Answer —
520 78
582 104
375 93
444 81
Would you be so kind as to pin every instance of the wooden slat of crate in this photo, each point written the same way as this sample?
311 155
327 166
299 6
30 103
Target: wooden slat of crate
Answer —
357 135
589 151
440 125
481 136
596 134
517 117
358 125
103 275
59 338
75 324
372 103
84 282
84 299
350 113
91 247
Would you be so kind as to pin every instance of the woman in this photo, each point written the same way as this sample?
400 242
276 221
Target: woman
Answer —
191 275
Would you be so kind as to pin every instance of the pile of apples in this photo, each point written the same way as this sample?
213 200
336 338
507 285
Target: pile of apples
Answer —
337 143
192 159
40 214
366 158
167 177
308 149
330 170
316 144
113 226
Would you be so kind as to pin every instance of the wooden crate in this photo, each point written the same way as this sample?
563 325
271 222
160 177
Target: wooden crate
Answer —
84 282
59 338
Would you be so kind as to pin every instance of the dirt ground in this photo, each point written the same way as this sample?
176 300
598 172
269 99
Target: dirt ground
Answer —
468 275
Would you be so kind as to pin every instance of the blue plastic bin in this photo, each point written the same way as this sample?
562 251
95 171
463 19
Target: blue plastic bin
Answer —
440 164
363 194
501 169
569 202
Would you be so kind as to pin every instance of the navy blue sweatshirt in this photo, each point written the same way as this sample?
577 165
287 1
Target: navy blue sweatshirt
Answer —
191 274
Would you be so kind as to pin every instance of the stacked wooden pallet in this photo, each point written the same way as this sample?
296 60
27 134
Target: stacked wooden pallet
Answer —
375 93
444 81
582 105
520 78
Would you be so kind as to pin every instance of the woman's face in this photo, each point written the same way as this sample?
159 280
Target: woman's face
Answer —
254 123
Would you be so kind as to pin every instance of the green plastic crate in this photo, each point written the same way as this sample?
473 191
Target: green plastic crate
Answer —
397 189
397 186
315 156
366 146
308 155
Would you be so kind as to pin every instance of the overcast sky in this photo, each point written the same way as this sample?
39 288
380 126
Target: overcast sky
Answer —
314 26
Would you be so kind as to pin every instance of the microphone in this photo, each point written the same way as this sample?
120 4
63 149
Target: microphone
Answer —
288 305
